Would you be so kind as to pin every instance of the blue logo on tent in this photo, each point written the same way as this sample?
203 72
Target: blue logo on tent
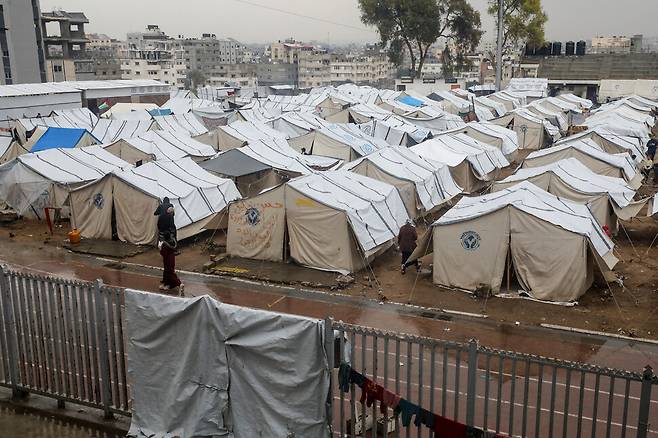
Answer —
367 148
470 240
253 216
99 201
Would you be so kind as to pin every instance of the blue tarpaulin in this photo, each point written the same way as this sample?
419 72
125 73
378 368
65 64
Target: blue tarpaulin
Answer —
160 112
59 138
412 101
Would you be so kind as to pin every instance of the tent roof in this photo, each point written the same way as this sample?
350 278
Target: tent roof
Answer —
250 131
59 138
72 165
352 136
181 105
277 154
80 117
181 123
507 136
374 209
590 147
409 100
576 175
453 149
170 145
112 130
572 98
434 183
195 193
234 163
532 200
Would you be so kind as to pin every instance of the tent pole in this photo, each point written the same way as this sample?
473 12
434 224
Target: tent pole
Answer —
508 259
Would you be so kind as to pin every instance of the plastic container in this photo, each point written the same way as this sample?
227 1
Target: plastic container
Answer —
74 236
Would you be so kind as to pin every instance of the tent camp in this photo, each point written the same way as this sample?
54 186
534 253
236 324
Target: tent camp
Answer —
10 149
64 138
592 156
126 199
250 175
277 154
424 186
583 104
608 198
341 141
556 118
497 108
160 145
359 113
336 221
472 164
504 139
129 111
436 124
620 124
511 103
41 180
238 134
549 245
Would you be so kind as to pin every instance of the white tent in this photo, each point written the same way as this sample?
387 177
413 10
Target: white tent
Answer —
44 179
277 154
186 123
10 149
583 104
439 123
132 195
534 88
498 109
359 113
238 134
550 245
533 131
339 220
504 139
556 118
181 105
423 185
608 198
341 141
129 111
395 134
590 154
472 163
295 124
620 124
160 145
610 142
107 131
511 103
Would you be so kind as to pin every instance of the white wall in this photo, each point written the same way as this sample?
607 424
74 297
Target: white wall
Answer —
614 89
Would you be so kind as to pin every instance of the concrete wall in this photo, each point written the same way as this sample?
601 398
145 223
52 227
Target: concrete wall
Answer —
619 88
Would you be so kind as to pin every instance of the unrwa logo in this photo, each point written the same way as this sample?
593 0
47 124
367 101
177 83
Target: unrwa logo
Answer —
99 201
470 240
252 215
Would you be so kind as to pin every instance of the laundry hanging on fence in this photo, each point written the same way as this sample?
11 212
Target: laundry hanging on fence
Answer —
371 392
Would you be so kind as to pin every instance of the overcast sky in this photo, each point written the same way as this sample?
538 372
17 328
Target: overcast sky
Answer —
568 19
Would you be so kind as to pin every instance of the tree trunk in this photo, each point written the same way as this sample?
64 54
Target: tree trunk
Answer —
421 63
413 59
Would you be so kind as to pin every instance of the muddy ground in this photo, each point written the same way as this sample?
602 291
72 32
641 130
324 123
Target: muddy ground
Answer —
628 310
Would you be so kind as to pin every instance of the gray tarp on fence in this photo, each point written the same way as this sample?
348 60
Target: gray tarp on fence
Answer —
202 368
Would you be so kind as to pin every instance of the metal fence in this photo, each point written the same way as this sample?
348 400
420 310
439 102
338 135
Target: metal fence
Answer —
64 339
498 391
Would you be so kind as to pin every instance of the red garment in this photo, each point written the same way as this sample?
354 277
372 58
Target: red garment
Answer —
444 428
169 277
377 394
367 388
389 400
407 238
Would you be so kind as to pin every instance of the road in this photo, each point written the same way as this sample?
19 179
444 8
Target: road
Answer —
506 380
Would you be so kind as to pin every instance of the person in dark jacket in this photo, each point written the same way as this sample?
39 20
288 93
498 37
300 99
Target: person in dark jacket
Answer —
407 238
167 242
652 144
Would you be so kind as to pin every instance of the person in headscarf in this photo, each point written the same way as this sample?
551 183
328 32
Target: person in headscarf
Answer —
167 242
407 238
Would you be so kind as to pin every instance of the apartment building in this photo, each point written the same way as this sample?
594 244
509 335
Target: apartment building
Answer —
154 55
234 75
361 69
21 42
313 63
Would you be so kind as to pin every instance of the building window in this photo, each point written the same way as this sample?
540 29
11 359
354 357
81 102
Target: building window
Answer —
57 68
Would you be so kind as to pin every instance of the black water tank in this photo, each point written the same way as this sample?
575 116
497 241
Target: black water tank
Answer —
530 50
556 48
570 48
580 48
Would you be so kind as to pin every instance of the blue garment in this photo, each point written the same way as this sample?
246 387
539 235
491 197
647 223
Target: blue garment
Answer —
407 410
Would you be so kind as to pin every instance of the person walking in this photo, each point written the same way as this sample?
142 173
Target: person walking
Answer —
652 144
167 242
407 238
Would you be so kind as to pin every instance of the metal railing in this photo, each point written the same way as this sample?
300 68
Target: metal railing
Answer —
64 339
498 391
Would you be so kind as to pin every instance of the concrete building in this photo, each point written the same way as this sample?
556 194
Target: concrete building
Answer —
230 51
313 63
273 73
234 75
202 54
21 41
105 53
154 55
374 70
65 44
615 44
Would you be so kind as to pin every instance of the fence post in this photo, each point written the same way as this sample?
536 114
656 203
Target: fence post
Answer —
645 402
10 330
329 351
471 381
103 354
